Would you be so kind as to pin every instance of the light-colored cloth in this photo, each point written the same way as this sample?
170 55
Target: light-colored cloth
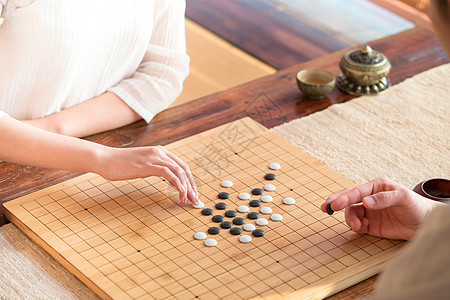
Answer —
30 273
422 270
402 134
56 54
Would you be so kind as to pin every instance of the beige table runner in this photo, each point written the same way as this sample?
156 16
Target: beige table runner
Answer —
402 134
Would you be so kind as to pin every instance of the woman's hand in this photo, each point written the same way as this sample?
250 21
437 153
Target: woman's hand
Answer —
24 144
131 163
382 208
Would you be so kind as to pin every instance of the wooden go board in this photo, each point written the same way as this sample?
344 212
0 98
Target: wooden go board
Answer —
131 239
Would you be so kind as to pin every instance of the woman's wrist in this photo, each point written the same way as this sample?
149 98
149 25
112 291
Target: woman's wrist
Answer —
100 156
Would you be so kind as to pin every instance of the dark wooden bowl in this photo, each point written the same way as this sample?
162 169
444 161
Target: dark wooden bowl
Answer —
437 189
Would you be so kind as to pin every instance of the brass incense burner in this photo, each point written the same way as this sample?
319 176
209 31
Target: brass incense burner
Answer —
364 72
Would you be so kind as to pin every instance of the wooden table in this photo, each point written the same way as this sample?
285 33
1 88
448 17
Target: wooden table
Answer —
301 30
271 100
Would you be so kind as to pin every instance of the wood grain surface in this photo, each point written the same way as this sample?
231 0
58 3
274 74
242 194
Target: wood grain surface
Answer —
286 32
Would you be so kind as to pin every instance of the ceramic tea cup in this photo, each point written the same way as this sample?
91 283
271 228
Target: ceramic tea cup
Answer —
315 83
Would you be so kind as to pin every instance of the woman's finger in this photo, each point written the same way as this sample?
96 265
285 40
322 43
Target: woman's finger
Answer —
190 194
166 172
185 167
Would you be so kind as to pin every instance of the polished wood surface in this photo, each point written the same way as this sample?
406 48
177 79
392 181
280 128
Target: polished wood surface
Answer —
285 32
216 64
414 10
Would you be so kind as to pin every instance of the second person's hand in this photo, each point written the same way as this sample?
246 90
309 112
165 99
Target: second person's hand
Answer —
382 208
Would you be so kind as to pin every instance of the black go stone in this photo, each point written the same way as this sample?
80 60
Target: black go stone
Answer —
255 203
226 225
253 215
223 195
218 218
257 191
238 221
270 176
221 205
235 231
329 210
207 211
258 232
214 230
230 214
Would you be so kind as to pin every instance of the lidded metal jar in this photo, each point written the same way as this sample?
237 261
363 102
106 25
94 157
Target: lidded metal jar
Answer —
364 72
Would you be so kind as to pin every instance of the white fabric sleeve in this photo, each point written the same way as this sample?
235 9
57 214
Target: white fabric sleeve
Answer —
158 81
2 113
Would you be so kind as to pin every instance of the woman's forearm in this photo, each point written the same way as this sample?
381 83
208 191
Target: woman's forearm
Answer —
24 144
27 145
99 114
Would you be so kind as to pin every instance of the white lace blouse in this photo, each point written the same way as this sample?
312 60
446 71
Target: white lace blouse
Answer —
58 53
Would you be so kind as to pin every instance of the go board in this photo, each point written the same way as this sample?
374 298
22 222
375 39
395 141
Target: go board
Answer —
132 240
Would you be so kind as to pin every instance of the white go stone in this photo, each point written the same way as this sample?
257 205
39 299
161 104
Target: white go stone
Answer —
289 201
199 205
266 198
245 238
265 210
226 183
200 235
262 222
242 209
244 196
210 242
274 166
276 217
270 187
249 227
